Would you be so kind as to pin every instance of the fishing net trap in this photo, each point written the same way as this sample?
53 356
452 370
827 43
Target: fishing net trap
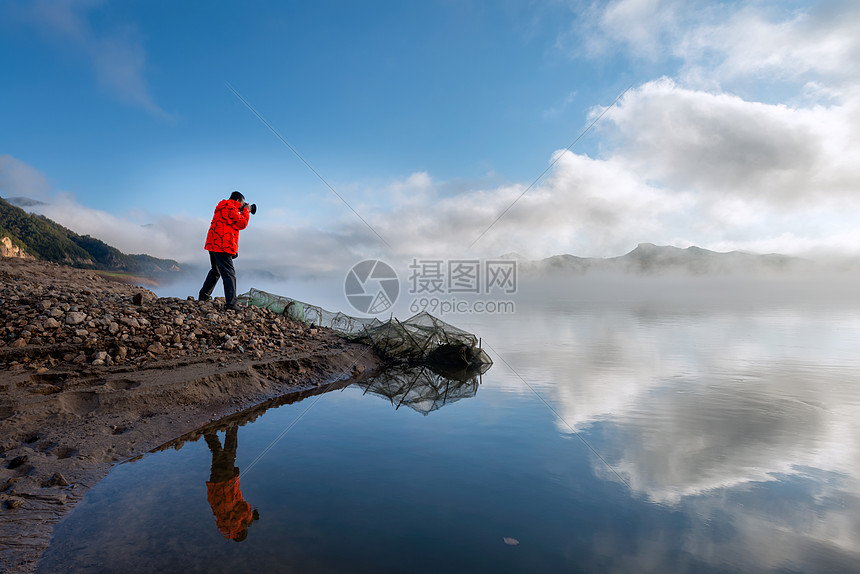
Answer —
420 340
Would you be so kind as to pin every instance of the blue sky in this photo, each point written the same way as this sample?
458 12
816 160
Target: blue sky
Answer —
366 91
739 131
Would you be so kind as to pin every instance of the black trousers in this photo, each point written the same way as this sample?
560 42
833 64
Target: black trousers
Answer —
223 459
222 268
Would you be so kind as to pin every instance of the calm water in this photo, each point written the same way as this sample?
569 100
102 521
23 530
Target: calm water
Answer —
604 439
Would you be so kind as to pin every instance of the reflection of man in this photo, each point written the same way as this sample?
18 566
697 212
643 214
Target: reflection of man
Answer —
233 515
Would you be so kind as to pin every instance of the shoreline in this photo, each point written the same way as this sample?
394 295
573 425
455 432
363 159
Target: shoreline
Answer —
73 404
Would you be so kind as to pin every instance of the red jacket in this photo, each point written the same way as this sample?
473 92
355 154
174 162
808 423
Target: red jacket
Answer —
232 513
228 221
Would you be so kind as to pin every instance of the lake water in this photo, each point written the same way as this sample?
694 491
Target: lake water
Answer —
606 438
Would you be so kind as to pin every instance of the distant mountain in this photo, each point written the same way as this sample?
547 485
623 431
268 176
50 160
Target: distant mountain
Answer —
24 201
38 236
649 259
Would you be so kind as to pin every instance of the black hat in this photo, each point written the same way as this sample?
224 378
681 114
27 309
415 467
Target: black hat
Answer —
236 196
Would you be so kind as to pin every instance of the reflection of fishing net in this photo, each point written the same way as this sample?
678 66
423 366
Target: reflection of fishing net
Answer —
419 339
421 388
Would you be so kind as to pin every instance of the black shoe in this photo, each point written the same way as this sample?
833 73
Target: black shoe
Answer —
204 298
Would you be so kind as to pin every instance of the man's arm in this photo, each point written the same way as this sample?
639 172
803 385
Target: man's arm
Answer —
240 217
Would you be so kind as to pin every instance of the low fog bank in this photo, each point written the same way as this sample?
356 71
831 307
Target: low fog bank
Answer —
677 291
325 290
665 292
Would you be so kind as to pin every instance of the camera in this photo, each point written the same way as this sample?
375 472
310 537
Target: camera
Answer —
252 207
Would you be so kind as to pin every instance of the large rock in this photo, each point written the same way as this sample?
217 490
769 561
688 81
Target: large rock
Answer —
143 297
8 249
75 317
156 348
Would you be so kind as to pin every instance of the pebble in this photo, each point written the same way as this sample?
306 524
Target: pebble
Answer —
156 348
75 317
56 480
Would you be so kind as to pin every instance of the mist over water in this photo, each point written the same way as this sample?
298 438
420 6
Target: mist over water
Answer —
809 287
684 290
326 291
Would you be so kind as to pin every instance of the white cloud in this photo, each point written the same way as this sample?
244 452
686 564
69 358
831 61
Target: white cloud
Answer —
639 25
720 144
645 30
715 43
116 55
583 204
709 182
758 43
168 237
18 178
755 132
418 188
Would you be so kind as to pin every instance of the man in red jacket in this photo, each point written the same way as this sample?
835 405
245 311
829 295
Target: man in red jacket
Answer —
222 243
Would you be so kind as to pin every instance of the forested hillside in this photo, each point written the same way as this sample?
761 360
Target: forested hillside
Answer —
49 241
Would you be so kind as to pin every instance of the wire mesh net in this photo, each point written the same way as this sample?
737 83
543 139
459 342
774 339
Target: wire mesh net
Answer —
309 314
422 338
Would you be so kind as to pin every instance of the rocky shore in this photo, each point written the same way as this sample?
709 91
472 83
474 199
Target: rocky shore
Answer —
93 372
